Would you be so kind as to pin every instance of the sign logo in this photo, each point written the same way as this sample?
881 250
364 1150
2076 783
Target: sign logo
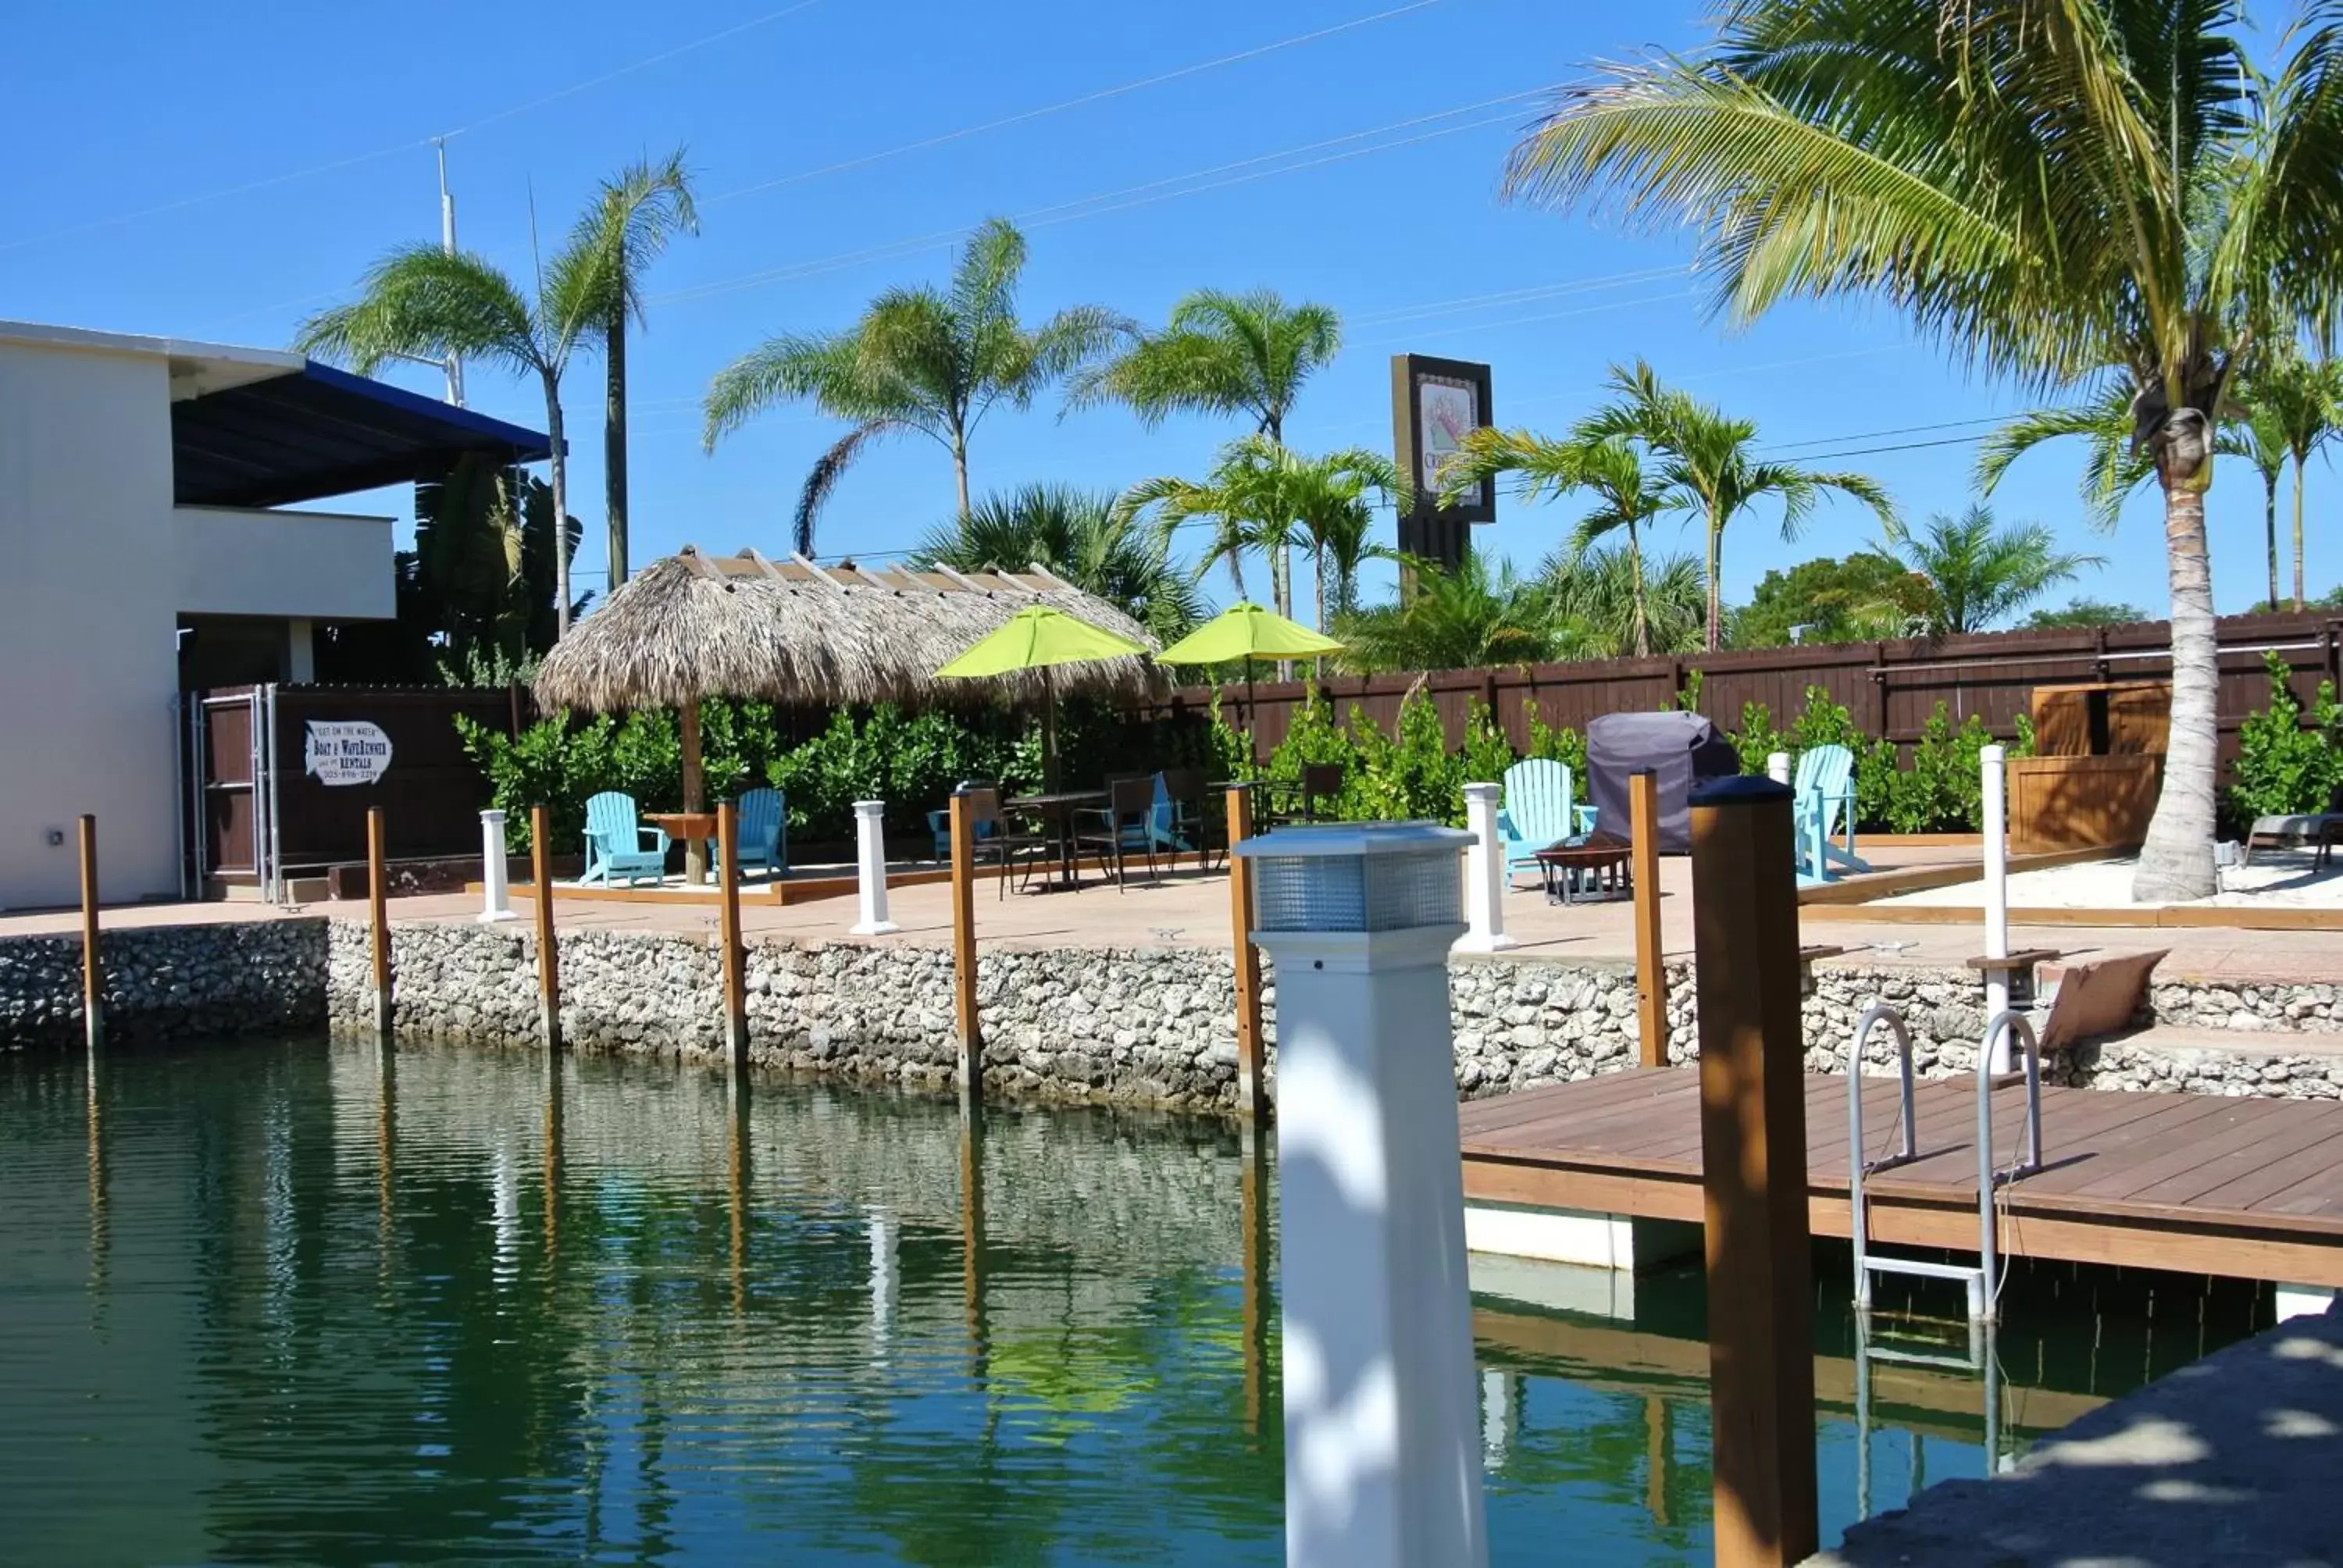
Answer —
346 752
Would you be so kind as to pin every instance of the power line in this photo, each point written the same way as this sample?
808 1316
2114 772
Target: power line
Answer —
354 159
1528 320
1102 203
1510 296
896 552
1897 430
865 159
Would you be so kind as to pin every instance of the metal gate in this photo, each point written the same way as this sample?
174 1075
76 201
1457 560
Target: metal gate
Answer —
232 789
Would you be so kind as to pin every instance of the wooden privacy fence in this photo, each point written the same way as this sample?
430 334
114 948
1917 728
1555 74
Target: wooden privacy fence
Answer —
259 814
1890 689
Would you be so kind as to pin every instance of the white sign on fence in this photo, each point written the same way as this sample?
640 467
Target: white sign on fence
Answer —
347 751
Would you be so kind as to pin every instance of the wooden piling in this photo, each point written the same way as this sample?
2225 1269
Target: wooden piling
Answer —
549 948
963 914
1651 972
379 915
1754 1174
736 957
93 963
1254 1183
1252 1103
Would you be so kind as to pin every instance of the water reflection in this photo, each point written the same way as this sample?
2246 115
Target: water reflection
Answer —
309 1317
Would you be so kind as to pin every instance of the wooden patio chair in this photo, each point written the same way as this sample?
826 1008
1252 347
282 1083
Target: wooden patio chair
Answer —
761 822
1536 812
1823 806
619 843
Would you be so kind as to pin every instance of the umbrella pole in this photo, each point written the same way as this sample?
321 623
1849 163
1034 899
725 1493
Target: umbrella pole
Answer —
1252 718
1048 735
695 851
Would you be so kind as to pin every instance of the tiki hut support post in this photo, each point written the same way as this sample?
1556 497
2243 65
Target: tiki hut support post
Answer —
695 850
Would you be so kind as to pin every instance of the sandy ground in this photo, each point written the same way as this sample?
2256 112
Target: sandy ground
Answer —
2278 878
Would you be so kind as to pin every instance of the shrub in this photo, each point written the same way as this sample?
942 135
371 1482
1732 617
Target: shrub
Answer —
1757 739
1562 745
2286 766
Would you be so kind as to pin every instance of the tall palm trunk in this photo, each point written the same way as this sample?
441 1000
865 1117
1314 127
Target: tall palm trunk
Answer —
558 476
2269 531
614 441
1643 614
1318 583
2176 860
2298 530
1716 601
960 469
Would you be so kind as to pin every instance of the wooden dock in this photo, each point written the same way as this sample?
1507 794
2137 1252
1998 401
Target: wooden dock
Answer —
2244 1188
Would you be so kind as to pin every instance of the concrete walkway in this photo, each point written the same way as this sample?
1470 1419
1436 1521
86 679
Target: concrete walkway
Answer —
1187 907
2229 1462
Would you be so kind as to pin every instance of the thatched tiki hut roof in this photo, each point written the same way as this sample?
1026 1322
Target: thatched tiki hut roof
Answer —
695 626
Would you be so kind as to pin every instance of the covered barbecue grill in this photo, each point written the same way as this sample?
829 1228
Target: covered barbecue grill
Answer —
1683 749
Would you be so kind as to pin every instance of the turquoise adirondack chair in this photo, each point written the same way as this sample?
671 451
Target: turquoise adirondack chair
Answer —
1536 812
761 821
619 844
1823 806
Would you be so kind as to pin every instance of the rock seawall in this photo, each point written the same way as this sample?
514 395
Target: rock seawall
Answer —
170 982
1138 1025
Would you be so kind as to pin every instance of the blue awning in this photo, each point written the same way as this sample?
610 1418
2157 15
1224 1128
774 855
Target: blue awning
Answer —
324 432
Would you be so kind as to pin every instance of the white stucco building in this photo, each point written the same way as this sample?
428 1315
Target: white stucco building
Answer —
141 551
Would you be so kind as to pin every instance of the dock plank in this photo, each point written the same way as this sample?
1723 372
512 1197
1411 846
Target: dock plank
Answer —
2243 1186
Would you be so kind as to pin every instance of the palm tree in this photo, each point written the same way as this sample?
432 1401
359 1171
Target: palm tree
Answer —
1263 497
2113 467
636 212
2252 434
2302 399
1609 602
1712 461
1079 535
1464 619
2057 192
419 302
1333 500
1627 494
919 360
1978 573
1219 352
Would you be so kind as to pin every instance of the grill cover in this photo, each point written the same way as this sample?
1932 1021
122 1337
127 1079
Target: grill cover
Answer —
1682 748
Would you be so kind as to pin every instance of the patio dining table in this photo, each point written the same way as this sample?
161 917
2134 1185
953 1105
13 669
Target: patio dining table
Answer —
1055 812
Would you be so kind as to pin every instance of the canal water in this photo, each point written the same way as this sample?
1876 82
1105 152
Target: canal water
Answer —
320 1304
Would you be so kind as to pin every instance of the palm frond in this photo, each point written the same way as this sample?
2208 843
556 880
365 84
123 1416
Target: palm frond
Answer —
823 478
419 301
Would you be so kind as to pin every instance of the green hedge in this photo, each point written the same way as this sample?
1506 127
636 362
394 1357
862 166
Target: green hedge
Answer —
911 760
2288 762
1410 772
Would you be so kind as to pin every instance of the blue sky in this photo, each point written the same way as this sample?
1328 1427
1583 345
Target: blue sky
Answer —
219 175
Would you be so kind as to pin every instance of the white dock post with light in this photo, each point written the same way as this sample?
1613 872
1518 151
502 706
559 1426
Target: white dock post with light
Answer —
1383 1438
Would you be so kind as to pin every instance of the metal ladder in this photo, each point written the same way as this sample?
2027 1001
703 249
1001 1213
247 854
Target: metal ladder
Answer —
1982 1280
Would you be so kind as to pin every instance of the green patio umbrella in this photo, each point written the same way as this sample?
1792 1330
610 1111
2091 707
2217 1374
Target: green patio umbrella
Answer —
1037 637
1244 630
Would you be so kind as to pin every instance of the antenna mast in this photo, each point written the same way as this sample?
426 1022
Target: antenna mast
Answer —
454 364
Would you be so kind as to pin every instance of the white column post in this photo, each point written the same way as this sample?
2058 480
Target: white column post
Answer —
870 862
1383 1430
498 898
1777 766
1485 874
1996 891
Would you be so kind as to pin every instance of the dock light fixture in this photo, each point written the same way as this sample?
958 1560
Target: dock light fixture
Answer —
1383 1438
